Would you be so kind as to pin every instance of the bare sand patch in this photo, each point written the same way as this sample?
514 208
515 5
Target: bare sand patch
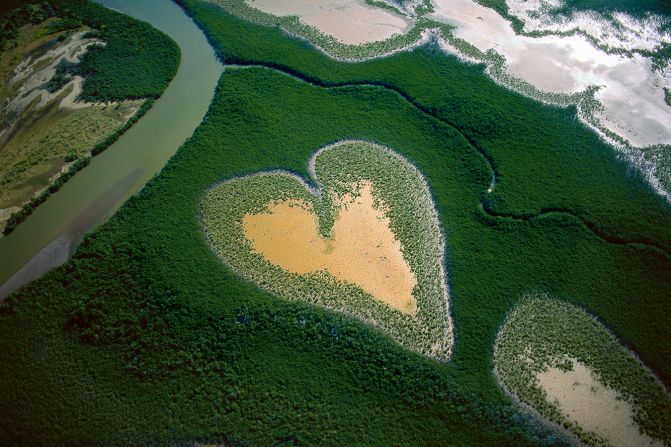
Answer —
588 383
594 407
349 21
69 101
362 250
363 240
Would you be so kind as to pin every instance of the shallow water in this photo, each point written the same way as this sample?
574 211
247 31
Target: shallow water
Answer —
631 92
49 236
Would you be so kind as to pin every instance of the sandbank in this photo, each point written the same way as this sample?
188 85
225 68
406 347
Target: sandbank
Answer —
630 91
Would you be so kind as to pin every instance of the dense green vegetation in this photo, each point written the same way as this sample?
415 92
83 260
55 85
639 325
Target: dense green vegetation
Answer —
137 61
556 164
387 6
17 13
145 336
543 158
208 349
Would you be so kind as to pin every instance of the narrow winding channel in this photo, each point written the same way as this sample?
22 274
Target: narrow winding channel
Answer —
51 234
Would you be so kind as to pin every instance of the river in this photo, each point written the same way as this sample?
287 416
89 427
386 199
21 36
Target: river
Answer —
51 234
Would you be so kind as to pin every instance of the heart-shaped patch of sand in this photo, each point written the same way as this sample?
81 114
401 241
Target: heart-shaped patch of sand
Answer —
362 249
366 241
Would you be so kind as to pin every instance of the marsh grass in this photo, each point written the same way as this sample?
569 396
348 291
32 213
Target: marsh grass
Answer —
146 329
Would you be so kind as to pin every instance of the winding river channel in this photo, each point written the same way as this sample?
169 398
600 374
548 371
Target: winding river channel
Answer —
51 234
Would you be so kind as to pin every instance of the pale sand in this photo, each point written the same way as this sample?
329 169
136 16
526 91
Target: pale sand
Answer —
33 74
631 92
363 250
70 100
593 406
351 22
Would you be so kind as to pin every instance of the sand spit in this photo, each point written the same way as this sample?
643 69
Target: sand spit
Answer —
362 250
630 92
594 407
351 22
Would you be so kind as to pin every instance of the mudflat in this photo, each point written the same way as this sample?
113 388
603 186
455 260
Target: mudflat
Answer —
349 21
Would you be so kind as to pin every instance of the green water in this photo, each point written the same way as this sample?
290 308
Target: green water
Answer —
49 236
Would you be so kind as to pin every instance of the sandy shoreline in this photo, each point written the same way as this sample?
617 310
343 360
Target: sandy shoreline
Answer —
593 406
629 90
588 387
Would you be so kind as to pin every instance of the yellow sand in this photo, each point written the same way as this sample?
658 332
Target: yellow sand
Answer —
593 406
363 250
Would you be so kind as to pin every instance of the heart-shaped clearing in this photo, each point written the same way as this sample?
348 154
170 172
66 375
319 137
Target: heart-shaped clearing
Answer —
362 249
367 242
